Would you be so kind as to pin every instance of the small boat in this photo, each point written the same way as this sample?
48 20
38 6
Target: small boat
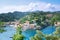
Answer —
11 37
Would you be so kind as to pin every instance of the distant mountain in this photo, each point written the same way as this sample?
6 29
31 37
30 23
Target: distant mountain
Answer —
16 15
12 16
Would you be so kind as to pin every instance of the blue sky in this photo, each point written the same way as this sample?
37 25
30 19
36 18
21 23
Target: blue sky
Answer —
52 1
29 5
16 2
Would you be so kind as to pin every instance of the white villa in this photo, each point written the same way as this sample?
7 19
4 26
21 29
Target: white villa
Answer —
57 23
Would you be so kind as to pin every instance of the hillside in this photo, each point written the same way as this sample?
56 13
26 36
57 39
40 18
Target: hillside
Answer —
16 15
42 19
11 16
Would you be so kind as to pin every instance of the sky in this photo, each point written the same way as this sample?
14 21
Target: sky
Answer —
29 5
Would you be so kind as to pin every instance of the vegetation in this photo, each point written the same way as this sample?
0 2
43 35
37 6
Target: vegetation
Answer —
42 19
2 30
6 17
40 36
2 24
50 37
18 35
37 18
57 32
2 27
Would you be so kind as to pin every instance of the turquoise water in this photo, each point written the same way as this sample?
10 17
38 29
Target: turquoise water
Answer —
48 30
10 31
28 33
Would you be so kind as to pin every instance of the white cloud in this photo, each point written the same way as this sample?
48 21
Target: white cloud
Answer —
31 7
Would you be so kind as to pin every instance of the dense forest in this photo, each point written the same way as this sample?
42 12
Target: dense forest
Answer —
41 18
11 16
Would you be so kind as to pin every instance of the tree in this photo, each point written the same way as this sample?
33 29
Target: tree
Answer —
57 32
2 24
55 36
55 18
38 36
51 37
18 35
